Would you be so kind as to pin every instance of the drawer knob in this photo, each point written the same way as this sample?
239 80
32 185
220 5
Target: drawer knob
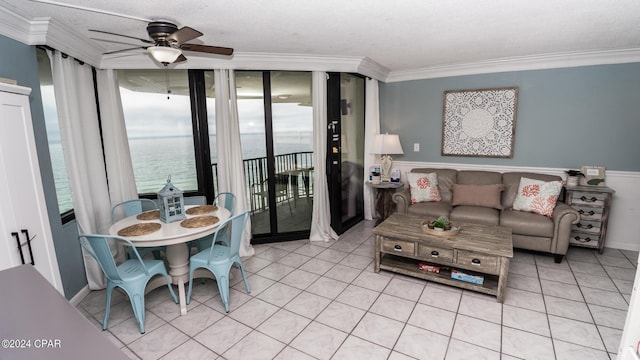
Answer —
579 239
589 213
435 253
475 262
593 199
397 248
588 226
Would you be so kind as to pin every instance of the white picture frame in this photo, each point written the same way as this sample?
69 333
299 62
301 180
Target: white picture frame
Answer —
593 176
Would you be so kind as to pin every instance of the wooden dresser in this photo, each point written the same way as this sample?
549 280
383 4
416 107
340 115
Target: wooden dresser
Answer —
593 203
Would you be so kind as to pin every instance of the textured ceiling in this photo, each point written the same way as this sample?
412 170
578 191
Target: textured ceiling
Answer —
399 35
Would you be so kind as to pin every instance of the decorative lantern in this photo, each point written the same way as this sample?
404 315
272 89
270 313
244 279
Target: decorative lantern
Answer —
171 203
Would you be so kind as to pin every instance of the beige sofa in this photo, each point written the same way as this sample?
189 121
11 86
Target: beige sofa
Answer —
530 231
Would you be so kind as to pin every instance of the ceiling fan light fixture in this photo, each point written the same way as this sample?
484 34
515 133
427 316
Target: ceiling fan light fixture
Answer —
164 54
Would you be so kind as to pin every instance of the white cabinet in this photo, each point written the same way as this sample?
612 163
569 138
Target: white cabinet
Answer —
23 212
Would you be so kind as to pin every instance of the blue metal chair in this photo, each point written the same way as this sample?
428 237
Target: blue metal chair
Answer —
132 275
228 201
219 258
134 207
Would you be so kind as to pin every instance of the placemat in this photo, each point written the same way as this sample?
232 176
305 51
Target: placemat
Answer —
149 215
202 209
199 221
139 229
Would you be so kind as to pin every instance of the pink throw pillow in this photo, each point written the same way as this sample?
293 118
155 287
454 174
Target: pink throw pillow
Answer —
537 196
423 187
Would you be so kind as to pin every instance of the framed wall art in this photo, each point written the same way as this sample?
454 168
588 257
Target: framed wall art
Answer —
479 123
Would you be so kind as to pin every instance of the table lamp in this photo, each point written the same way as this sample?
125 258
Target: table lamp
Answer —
386 145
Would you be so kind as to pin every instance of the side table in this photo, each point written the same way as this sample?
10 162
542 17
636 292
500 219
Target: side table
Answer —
384 201
593 204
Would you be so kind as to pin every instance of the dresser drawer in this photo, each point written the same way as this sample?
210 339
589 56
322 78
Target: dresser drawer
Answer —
398 247
435 253
584 239
479 262
589 213
586 198
590 227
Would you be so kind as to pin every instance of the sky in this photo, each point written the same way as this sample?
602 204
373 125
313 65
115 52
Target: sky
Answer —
153 115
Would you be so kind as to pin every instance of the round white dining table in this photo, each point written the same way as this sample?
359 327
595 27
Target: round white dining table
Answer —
175 238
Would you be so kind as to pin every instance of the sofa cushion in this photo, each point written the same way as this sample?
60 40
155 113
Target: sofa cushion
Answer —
475 214
475 177
477 195
423 187
537 196
430 209
527 223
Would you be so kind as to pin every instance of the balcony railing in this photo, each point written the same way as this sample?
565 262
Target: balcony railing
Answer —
255 176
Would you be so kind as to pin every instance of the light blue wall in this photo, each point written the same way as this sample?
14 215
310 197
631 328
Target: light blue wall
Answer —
19 62
566 117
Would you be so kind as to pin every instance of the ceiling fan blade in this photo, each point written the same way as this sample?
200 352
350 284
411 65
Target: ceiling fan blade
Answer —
127 49
207 49
183 35
146 41
180 58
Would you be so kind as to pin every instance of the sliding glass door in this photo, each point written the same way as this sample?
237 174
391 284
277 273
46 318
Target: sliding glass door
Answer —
276 128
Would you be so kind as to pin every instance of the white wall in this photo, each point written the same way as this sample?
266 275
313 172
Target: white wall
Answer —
624 221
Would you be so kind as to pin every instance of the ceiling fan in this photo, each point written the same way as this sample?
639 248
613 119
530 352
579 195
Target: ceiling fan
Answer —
168 42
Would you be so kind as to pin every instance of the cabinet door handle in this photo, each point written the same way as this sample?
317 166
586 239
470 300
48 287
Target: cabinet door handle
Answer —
17 236
435 253
579 239
475 262
593 199
26 234
397 248
588 226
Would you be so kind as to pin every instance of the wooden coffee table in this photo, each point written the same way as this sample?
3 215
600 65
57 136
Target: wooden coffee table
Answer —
401 245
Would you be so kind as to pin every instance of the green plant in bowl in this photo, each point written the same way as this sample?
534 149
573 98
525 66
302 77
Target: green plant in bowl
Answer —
441 222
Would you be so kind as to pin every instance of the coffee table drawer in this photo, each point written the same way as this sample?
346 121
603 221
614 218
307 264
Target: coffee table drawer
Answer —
398 247
435 253
479 262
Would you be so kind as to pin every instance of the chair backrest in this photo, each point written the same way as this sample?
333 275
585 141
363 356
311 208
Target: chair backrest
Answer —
227 200
131 207
237 224
98 247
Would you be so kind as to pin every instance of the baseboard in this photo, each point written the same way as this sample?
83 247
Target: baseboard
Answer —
80 295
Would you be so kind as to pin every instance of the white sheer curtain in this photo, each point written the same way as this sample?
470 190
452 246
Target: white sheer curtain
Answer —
321 217
81 144
117 157
122 184
371 129
230 166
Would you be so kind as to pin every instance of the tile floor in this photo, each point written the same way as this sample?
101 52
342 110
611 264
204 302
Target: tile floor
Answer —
323 301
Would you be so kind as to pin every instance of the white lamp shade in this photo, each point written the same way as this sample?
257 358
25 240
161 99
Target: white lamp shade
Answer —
164 54
386 144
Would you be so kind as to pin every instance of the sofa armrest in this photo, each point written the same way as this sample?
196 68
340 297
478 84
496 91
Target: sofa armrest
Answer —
563 217
403 200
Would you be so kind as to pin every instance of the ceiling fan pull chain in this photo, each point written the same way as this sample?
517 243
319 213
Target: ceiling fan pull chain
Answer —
166 73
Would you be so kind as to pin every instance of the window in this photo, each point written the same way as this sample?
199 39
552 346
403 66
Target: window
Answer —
63 191
157 113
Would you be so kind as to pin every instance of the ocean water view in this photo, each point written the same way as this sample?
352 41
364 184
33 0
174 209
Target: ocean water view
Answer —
155 158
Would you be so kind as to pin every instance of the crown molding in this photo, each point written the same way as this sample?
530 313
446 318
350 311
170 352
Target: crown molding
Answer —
47 31
253 61
14 26
550 61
